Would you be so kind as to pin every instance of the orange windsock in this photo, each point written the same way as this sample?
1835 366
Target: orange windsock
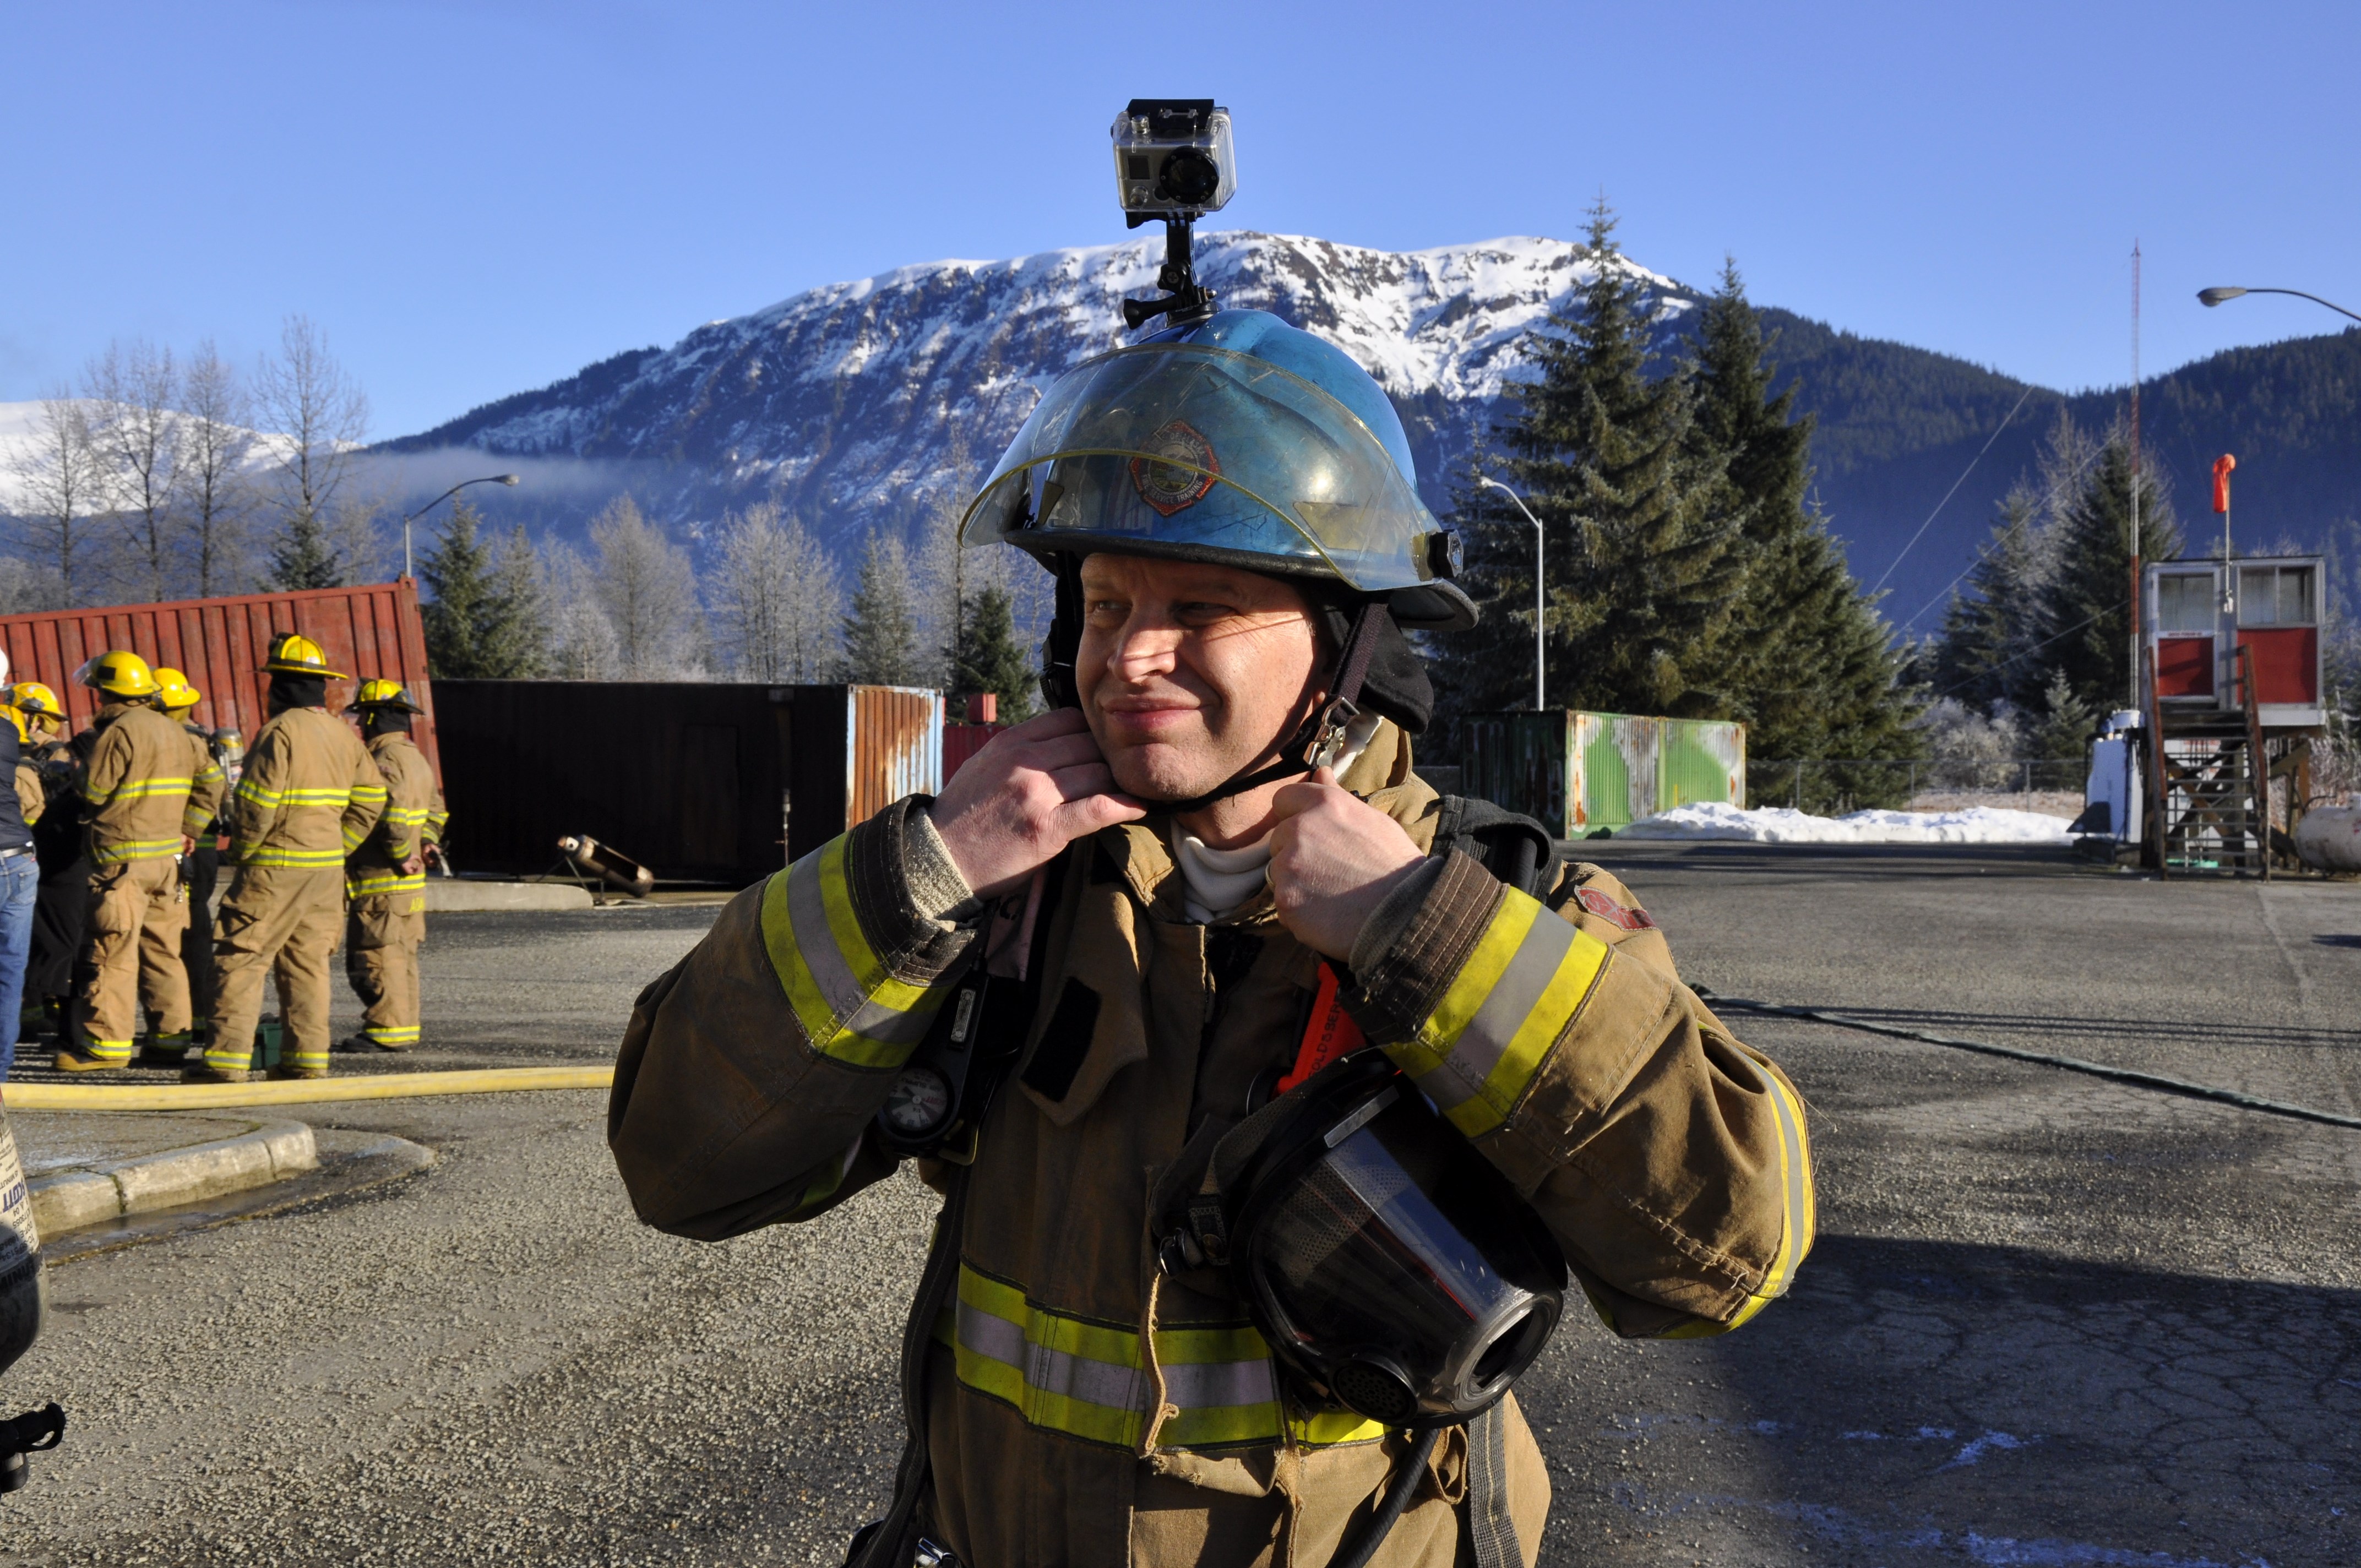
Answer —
2221 466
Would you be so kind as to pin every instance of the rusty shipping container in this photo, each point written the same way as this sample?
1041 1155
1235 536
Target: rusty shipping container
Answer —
1577 772
369 632
711 781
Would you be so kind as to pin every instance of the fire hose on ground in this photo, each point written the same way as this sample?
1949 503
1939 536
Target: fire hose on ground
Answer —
2158 1081
298 1091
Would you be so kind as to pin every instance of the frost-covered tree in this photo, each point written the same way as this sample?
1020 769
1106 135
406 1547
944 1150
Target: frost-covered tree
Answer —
648 590
777 600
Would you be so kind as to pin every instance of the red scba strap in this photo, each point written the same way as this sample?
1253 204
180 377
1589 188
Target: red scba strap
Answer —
1330 1034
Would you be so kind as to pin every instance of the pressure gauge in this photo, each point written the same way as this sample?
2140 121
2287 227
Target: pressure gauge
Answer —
919 1104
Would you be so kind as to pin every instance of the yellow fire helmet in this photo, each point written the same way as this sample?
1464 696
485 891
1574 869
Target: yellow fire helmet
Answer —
178 694
118 671
296 655
32 696
16 716
386 694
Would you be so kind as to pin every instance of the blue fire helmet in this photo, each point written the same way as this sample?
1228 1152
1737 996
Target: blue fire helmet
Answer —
1240 441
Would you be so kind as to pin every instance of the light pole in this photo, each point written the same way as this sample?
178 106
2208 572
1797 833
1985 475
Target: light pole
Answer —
1540 564
487 479
2216 296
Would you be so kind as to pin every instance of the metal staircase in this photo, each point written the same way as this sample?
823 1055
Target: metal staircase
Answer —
2209 792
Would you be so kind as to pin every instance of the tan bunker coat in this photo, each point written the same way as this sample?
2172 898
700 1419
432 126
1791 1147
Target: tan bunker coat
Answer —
1079 1407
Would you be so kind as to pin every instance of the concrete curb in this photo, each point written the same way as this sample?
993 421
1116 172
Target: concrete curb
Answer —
110 1190
448 896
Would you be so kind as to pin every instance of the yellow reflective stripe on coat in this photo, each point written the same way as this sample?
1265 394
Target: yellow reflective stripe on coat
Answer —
1088 1380
134 850
1527 978
369 885
851 1009
277 855
137 789
1799 1213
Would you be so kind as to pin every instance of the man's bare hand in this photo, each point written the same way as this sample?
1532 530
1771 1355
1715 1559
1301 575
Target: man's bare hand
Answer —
1031 792
413 866
1333 860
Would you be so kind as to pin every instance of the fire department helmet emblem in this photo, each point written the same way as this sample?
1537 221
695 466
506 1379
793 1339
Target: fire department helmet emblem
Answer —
1188 470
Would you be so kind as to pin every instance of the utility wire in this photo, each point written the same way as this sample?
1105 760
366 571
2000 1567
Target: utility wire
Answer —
1953 490
2037 647
2155 1080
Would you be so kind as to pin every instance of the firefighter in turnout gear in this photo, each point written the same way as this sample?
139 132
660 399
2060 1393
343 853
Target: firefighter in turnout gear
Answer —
308 798
1142 897
63 893
386 877
142 800
201 870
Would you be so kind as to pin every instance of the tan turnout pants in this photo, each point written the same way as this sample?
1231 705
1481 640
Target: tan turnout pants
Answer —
132 941
381 942
282 920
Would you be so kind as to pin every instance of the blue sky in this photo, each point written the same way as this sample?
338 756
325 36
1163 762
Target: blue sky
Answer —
473 198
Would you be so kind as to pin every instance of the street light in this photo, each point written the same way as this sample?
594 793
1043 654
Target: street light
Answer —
510 479
1540 564
2216 297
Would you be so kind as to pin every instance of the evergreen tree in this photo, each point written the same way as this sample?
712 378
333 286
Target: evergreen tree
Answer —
2066 723
985 656
1645 562
881 632
485 620
302 556
2088 601
1989 648
1810 669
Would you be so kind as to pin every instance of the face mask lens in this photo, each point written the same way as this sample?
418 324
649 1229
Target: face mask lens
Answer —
1401 1262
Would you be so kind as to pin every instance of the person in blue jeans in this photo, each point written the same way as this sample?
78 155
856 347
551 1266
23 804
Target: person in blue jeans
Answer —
19 876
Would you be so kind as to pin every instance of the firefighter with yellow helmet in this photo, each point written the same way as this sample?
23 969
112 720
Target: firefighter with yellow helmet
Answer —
201 870
386 877
21 806
64 887
309 795
143 798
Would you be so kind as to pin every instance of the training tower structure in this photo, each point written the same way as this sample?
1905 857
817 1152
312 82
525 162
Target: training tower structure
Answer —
2230 698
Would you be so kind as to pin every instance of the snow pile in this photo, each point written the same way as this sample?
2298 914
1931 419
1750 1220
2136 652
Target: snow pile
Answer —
1782 825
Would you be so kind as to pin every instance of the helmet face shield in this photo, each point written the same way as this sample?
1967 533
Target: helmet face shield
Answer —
1200 452
1390 1265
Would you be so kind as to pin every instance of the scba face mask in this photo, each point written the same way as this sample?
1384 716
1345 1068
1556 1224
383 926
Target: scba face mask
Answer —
1392 1269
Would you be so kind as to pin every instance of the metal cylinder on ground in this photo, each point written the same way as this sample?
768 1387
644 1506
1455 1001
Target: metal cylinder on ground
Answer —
2329 838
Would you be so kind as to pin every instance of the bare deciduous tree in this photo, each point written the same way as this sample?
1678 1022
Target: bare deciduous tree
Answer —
216 496
136 426
63 481
648 590
317 416
777 601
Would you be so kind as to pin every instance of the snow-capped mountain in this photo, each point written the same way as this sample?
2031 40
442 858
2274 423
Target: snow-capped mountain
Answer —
876 402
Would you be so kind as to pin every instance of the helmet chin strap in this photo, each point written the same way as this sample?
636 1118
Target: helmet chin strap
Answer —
1319 740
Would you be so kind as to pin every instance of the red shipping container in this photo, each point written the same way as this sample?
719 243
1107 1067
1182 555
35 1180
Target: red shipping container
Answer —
371 632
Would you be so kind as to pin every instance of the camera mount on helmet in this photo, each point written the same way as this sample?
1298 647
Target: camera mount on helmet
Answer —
1174 161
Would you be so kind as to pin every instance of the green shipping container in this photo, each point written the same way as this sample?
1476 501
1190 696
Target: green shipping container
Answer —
1578 772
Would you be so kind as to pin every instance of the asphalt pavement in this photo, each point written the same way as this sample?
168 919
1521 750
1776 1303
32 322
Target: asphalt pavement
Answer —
2052 1319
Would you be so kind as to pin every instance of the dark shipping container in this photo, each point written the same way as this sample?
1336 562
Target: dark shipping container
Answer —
369 632
701 780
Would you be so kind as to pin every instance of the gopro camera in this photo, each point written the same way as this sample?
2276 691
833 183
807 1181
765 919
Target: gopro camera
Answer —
1173 159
